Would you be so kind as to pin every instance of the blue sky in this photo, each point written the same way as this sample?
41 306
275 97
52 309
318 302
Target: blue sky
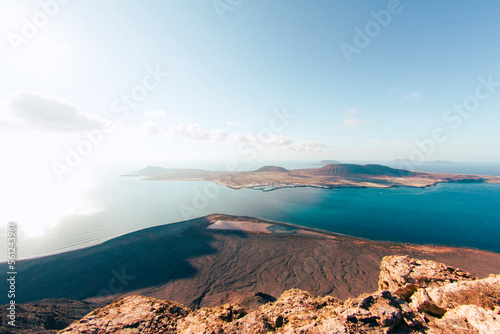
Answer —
233 65
89 84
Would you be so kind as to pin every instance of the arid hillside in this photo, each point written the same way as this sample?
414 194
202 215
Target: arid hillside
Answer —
414 296
329 176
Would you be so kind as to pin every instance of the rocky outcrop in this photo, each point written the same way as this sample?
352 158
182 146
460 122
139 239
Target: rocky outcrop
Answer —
133 314
396 271
416 296
469 319
46 316
403 275
482 293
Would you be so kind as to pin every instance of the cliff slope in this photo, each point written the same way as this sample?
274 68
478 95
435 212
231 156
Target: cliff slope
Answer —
414 297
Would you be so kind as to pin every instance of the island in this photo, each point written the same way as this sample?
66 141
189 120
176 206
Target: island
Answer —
329 176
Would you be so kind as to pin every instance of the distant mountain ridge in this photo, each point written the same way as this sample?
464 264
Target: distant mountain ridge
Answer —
329 176
273 169
328 162
333 169
150 170
347 170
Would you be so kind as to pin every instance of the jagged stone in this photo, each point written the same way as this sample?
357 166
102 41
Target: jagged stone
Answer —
403 275
210 320
47 315
436 301
131 315
253 323
453 325
468 319
296 308
381 310
466 306
485 321
423 303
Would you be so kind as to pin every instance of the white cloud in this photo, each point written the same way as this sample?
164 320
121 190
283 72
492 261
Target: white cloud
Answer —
307 146
412 96
244 138
32 110
4 126
232 124
151 129
218 134
155 114
351 121
196 133
275 140
7 122
262 138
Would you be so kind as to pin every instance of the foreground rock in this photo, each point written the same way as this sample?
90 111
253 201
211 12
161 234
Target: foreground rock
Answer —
468 319
403 275
482 293
134 314
465 304
46 316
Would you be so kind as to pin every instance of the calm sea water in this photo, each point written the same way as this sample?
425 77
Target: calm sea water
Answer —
447 214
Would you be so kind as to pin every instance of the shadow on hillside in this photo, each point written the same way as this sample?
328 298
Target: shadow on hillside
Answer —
147 258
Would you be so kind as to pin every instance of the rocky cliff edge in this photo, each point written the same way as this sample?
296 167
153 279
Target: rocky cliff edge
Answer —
414 296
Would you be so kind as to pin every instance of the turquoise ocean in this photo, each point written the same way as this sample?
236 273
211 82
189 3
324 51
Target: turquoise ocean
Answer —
466 215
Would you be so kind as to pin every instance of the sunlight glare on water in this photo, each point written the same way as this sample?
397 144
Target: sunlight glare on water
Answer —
37 203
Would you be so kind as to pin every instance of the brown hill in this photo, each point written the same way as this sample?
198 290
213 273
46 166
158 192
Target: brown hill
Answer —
422 296
352 170
273 169
329 176
197 266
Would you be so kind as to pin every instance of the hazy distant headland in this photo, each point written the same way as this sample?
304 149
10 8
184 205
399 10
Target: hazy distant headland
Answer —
327 162
329 176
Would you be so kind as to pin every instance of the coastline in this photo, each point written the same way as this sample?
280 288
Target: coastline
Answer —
189 262
331 176
299 225
323 232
